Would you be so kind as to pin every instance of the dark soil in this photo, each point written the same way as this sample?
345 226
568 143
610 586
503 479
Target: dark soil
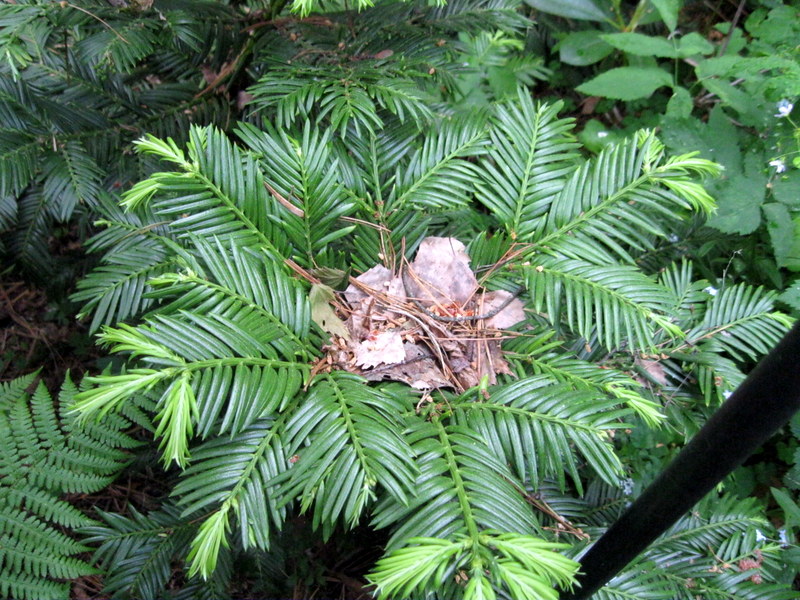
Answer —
35 334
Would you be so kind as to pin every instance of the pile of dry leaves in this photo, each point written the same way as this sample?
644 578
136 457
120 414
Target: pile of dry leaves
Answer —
430 325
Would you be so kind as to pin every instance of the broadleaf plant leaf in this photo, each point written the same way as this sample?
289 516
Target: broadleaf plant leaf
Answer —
584 10
626 83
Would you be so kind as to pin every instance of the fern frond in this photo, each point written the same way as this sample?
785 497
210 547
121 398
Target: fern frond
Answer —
485 565
700 556
736 324
234 283
639 581
219 192
373 159
539 355
8 213
15 19
463 487
43 455
252 321
28 240
234 375
232 474
711 539
724 526
19 154
71 177
67 116
136 551
120 46
217 586
135 246
717 376
689 292
741 321
354 96
477 15
116 290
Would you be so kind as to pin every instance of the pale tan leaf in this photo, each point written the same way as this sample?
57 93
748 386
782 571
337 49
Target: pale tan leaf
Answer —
440 273
385 348
510 315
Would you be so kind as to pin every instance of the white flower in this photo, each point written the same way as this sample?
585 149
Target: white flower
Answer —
783 537
727 394
627 486
760 537
673 237
602 134
711 290
784 108
779 165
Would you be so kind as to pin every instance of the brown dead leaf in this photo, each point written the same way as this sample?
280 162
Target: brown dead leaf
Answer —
380 279
511 315
395 333
385 348
295 210
440 273
653 368
419 370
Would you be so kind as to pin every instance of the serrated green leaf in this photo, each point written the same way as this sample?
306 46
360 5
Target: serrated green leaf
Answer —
783 232
789 506
680 105
786 189
792 296
642 45
692 44
626 83
739 199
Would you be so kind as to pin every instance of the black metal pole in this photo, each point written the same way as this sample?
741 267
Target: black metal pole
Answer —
758 408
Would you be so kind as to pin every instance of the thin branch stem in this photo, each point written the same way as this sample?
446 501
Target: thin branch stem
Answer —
94 16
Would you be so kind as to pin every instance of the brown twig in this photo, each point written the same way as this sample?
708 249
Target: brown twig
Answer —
539 504
724 45
302 272
281 22
296 211
405 272
228 70
94 16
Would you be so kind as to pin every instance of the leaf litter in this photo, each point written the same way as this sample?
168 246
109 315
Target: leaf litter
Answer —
429 325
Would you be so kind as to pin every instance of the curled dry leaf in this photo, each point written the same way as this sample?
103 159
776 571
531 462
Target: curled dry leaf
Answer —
423 325
440 273
653 368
